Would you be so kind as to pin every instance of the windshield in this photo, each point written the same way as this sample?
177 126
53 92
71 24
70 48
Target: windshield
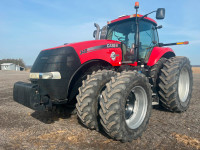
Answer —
125 33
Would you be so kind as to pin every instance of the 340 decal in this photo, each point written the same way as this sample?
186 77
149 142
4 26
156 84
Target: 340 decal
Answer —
83 51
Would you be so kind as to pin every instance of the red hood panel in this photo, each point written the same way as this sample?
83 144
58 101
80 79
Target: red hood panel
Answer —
97 50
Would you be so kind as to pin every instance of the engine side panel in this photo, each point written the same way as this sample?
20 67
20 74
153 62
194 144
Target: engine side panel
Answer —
99 49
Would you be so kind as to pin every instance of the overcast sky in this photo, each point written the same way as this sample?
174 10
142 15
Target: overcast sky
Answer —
28 26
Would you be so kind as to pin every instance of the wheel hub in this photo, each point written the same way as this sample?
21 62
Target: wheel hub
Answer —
130 103
136 107
183 84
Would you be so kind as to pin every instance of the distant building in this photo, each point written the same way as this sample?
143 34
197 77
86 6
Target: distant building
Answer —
11 66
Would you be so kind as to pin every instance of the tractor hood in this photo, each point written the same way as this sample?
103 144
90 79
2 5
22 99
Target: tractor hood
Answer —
76 54
94 49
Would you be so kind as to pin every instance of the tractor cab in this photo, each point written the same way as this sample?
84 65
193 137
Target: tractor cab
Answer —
137 34
125 30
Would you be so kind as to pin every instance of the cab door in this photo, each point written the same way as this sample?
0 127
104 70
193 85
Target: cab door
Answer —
148 39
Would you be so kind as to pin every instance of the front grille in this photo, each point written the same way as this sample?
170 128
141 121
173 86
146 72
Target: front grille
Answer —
64 60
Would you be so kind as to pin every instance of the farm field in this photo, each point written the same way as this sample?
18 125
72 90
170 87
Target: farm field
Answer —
23 128
196 70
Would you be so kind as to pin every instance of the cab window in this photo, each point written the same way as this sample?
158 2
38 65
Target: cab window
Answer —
148 38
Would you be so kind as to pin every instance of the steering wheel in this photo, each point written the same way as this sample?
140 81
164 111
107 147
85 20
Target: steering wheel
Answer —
120 39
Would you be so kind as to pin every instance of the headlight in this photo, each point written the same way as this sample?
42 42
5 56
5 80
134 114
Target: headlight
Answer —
46 75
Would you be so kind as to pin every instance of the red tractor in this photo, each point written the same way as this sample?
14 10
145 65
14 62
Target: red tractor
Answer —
114 80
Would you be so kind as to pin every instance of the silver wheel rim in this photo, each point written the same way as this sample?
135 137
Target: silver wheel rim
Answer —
136 108
183 84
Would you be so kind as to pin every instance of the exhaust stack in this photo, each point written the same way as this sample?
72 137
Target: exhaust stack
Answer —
97 31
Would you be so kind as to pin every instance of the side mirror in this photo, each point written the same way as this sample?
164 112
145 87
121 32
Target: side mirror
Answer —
94 33
160 13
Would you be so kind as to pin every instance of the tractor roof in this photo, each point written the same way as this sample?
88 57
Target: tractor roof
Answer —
131 16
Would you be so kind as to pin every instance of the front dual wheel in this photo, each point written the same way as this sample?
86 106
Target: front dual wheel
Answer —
89 96
125 106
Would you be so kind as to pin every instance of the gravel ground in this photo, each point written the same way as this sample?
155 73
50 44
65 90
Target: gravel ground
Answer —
23 128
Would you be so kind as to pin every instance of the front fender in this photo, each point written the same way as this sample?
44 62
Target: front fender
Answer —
159 52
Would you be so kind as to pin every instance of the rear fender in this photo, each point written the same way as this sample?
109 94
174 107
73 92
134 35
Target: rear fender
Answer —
159 52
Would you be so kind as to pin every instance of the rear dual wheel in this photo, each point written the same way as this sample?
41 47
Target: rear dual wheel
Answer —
125 106
175 84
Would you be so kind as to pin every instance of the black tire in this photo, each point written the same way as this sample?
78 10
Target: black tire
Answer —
88 97
155 73
173 96
113 102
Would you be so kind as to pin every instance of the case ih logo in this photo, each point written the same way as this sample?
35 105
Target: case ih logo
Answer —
112 45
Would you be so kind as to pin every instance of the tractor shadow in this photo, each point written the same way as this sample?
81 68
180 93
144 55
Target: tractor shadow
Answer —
62 112
49 117
160 108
